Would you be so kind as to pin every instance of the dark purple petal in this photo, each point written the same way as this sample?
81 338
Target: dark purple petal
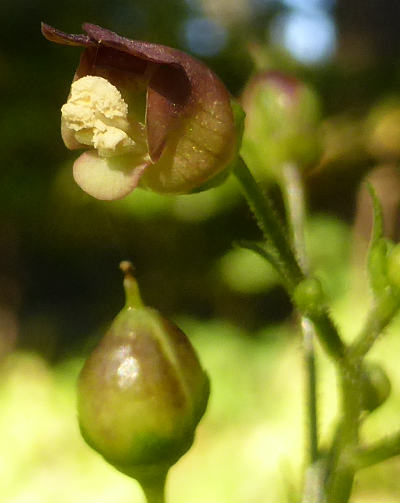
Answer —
167 95
59 37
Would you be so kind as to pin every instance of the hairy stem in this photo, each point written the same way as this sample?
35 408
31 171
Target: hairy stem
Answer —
380 316
267 219
311 387
341 479
155 491
275 235
294 197
377 452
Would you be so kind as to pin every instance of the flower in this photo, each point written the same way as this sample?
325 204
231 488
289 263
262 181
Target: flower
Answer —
146 113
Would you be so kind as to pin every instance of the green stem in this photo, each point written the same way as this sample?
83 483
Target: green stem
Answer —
341 480
294 197
377 452
380 316
267 219
154 490
275 235
311 387
329 337
271 257
313 491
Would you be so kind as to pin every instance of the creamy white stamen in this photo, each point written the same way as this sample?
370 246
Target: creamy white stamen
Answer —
98 116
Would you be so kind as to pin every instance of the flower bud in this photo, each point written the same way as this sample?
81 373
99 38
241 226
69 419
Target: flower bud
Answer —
375 386
309 297
142 391
282 116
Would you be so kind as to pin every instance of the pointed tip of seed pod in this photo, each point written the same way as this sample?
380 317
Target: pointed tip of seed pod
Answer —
127 268
132 293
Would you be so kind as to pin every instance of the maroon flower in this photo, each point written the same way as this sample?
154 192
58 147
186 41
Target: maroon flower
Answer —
149 114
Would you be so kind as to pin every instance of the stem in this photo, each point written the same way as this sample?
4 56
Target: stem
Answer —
154 494
313 491
274 233
154 489
293 193
329 337
380 316
340 485
294 196
267 219
270 256
377 452
311 386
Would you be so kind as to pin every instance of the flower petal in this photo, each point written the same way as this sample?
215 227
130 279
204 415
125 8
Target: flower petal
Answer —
59 37
183 94
107 178
167 94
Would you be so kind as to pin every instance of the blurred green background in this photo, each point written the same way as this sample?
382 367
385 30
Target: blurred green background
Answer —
59 249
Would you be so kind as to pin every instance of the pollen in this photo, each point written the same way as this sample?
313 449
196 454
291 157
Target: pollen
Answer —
97 115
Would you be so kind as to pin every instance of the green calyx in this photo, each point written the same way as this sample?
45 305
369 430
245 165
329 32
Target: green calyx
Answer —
142 391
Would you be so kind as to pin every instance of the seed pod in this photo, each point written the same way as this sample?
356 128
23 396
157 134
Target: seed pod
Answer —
142 391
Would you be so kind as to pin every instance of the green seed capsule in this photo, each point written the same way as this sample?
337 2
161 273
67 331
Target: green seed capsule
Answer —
142 391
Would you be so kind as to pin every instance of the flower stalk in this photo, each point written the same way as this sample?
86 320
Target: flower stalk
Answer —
268 221
384 449
294 197
275 235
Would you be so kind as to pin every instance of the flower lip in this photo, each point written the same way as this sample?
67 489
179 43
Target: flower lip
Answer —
188 119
